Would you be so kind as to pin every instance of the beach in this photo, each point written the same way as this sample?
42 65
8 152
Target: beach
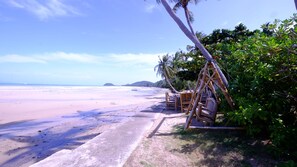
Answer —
38 121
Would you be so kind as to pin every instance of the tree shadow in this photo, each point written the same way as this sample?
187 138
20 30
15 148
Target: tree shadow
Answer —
157 108
8 129
39 139
117 113
44 143
222 148
13 123
102 116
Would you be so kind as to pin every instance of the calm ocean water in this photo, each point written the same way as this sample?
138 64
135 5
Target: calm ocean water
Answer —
102 90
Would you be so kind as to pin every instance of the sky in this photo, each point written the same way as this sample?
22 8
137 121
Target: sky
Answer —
92 42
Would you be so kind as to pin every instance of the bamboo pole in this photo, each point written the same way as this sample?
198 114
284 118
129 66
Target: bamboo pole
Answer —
196 89
217 127
224 88
210 76
201 85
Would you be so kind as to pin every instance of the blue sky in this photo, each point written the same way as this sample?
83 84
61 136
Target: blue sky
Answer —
91 42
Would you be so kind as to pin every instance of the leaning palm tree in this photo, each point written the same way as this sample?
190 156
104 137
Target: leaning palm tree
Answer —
188 13
165 70
191 35
217 77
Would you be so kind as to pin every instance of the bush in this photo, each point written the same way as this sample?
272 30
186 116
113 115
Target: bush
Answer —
263 73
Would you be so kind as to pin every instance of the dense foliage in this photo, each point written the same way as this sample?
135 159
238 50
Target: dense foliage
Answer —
261 67
263 73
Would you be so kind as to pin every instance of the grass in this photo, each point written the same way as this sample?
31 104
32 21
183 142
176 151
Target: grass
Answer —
196 147
222 148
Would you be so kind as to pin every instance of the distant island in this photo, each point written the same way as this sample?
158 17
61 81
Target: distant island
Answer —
142 84
108 84
160 84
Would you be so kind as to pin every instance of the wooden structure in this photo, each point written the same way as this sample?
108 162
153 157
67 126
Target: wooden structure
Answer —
185 100
209 79
208 112
171 101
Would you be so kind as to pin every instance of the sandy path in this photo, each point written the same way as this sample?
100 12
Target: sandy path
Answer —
35 122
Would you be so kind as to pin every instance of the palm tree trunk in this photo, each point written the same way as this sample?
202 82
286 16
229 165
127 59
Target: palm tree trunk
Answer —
169 83
194 39
295 4
188 20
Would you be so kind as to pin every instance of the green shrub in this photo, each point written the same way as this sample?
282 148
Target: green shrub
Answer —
261 67
263 83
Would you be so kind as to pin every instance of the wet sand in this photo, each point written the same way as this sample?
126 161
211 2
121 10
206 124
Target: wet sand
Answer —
38 121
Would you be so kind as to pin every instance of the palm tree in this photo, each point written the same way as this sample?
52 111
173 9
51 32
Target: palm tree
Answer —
165 70
188 13
192 36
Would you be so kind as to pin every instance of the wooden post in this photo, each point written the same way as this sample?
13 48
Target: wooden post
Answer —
193 109
194 95
207 79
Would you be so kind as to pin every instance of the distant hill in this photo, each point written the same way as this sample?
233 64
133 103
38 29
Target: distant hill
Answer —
142 84
108 84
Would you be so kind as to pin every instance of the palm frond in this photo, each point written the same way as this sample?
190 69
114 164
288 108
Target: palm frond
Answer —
191 16
158 1
177 6
195 1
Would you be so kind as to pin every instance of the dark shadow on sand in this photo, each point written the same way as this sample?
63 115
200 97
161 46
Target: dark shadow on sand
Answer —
13 123
44 144
8 129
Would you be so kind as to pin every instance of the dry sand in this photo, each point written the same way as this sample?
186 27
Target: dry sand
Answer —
37 121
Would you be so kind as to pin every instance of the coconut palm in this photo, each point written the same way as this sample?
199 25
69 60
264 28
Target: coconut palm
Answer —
192 37
165 70
188 14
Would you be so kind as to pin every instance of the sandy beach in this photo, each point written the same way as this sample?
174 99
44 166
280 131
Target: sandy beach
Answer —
37 121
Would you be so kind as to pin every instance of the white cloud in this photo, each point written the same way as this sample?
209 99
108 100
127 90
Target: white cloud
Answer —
76 68
149 8
45 9
129 59
76 57
15 4
136 59
19 59
49 57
